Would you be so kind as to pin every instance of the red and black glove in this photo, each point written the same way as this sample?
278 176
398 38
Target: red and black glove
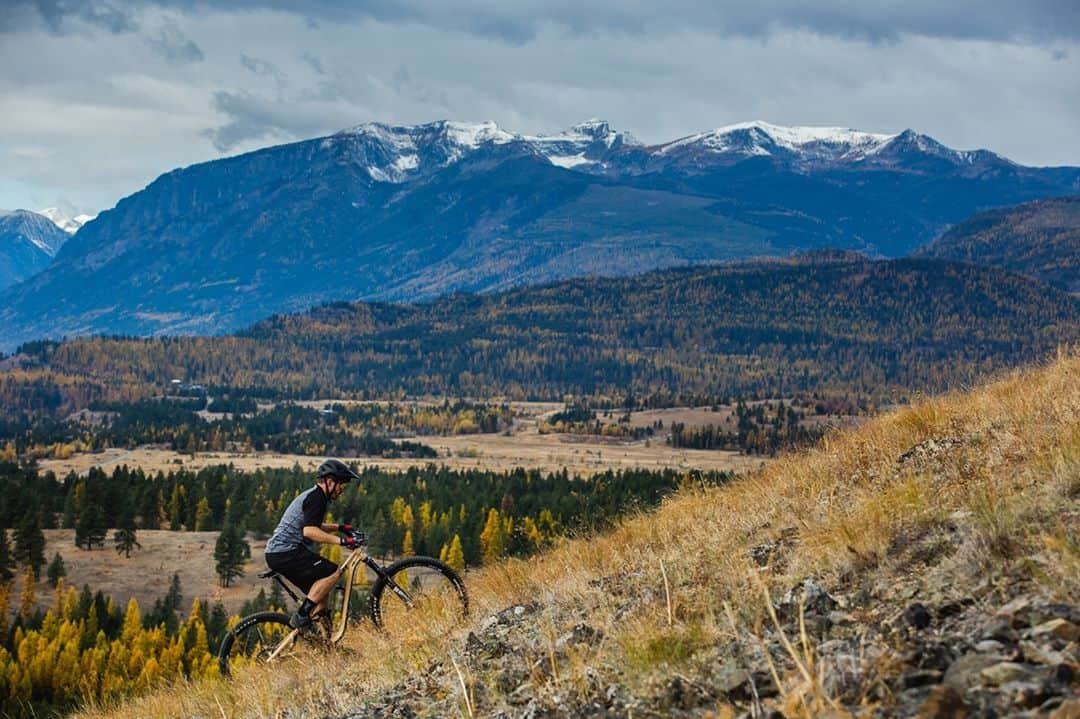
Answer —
349 542
345 527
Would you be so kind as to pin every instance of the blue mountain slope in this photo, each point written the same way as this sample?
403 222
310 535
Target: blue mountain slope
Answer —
412 213
28 242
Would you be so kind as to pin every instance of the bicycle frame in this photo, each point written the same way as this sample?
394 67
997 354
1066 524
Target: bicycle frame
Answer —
352 564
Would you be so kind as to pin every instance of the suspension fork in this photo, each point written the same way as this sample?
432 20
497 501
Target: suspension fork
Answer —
394 586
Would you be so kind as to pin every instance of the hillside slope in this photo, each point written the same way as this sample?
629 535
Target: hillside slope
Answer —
933 552
829 322
1039 239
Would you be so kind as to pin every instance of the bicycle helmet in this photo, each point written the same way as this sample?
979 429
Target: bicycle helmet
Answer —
336 469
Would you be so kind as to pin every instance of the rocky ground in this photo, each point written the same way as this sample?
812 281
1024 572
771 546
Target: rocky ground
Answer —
893 650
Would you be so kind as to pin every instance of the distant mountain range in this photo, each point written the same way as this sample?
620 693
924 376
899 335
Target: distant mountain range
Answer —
28 243
1039 239
413 213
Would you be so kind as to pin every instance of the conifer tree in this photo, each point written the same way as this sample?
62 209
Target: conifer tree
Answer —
229 553
30 541
202 515
124 537
455 557
56 571
29 593
90 528
492 538
7 563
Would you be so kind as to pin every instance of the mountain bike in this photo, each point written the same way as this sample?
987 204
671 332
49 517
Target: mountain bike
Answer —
408 591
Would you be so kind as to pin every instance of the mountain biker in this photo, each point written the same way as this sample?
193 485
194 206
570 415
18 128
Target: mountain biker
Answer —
290 549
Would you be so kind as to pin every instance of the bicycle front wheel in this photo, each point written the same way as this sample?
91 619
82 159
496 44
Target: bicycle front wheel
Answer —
263 638
418 593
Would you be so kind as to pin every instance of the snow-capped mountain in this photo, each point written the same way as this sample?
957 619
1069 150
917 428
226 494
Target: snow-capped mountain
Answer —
407 213
64 221
398 153
816 149
28 243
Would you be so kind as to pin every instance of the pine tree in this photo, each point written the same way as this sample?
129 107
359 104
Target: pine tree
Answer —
229 553
90 528
30 541
7 563
56 570
124 537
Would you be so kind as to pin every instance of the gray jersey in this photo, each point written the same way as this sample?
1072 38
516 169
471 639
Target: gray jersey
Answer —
307 510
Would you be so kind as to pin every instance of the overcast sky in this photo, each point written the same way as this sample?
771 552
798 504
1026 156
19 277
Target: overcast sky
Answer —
97 98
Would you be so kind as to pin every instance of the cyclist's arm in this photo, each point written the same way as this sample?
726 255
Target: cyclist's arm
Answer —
331 527
319 534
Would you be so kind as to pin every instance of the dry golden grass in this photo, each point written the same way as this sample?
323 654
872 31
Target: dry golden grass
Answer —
583 455
999 463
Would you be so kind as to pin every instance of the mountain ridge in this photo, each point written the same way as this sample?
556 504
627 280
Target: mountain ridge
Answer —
1039 239
409 213
28 243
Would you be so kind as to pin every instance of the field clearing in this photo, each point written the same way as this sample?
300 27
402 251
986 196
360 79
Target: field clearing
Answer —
578 454
147 573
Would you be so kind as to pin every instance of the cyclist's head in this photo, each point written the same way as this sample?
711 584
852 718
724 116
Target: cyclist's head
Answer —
335 474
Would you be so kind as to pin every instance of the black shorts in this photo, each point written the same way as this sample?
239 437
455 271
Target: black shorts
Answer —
301 567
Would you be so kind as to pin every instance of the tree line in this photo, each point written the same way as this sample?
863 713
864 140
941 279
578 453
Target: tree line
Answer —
678 337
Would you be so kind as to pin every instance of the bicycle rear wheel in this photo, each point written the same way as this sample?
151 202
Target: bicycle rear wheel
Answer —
418 592
258 638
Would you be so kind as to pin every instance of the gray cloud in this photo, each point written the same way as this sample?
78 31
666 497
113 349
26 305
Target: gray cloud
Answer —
107 106
520 22
263 68
250 118
114 17
170 43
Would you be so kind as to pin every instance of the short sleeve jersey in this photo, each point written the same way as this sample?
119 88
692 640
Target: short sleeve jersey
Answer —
307 510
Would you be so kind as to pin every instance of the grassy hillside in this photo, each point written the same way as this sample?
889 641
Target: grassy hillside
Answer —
933 552
1039 239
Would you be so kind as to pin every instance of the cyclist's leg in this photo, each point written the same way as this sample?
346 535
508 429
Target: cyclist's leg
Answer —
321 589
313 574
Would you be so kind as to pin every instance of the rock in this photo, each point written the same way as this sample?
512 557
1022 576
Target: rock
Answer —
966 672
840 619
1043 612
1003 672
951 609
1001 630
1069 709
920 678
917 616
990 646
1026 695
1039 654
1060 628
944 702
812 596
931 656
732 681
1014 607
580 634
1064 674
